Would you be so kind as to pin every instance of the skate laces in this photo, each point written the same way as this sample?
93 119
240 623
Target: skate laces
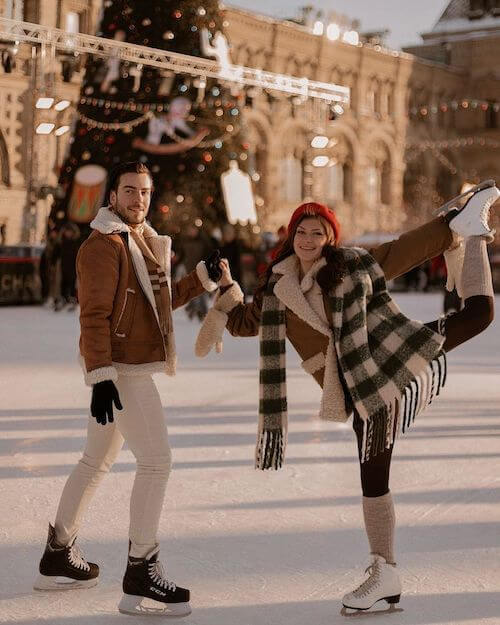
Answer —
485 212
156 573
77 558
373 579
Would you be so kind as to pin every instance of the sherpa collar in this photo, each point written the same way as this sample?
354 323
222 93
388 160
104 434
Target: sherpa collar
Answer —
290 291
108 222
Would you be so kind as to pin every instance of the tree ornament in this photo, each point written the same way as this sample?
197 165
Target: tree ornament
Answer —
238 196
89 186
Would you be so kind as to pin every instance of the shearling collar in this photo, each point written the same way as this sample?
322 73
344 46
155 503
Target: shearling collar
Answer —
290 267
108 222
288 290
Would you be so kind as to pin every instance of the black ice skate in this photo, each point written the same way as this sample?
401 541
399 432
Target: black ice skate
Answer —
64 568
145 580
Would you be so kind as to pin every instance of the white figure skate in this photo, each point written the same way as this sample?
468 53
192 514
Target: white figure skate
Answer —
382 584
472 218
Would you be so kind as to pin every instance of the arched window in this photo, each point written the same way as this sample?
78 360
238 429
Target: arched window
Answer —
13 9
390 100
350 80
372 186
374 97
385 182
31 11
370 99
334 191
257 157
292 163
336 177
378 176
292 175
4 162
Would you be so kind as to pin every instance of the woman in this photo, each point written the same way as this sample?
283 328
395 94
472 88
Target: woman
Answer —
370 360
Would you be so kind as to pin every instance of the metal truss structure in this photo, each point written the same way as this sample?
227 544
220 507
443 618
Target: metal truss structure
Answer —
56 39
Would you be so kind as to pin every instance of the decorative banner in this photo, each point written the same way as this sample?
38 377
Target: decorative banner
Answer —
238 196
89 186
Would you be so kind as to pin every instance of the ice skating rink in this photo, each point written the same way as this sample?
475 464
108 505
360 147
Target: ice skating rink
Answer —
273 548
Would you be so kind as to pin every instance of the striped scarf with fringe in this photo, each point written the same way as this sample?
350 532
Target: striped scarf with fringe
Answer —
393 367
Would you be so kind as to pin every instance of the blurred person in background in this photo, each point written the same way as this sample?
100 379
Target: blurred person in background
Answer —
70 244
193 247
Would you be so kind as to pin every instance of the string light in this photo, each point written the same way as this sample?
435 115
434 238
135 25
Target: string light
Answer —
454 105
125 126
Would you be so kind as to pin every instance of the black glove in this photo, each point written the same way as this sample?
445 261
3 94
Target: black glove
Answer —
212 265
103 396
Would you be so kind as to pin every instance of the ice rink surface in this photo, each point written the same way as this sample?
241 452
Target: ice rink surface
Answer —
255 548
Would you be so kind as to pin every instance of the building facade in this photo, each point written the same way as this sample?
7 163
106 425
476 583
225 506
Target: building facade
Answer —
29 162
391 157
454 107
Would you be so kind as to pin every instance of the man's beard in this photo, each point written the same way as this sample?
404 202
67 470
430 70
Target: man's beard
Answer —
123 216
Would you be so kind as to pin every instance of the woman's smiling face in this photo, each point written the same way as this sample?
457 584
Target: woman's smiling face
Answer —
309 240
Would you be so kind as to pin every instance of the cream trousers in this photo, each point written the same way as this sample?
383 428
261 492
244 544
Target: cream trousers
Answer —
142 425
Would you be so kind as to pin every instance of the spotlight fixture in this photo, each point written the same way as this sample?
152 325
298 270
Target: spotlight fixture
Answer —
44 102
320 161
44 128
61 105
319 141
61 130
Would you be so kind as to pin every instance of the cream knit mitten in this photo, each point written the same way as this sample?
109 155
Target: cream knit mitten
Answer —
212 328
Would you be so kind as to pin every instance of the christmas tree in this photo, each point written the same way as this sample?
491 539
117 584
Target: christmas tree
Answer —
186 129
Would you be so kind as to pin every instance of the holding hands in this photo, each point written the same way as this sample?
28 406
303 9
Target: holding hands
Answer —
226 279
218 269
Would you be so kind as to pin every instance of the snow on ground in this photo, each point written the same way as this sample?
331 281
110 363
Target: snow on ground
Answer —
273 548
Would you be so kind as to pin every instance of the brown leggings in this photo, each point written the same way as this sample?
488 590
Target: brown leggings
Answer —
476 315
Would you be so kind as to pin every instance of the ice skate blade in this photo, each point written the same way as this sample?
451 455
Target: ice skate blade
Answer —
368 611
485 184
58 582
133 604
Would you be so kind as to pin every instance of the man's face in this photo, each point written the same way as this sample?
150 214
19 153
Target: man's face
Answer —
131 200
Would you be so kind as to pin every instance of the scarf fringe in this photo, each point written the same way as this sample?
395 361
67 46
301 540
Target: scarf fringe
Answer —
381 428
270 450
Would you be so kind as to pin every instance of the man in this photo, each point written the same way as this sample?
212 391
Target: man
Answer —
126 299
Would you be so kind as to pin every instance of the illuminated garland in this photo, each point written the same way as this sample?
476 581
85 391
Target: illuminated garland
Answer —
93 123
127 106
461 142
416 149
124 106
426 110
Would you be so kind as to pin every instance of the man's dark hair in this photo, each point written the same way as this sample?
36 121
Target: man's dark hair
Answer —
132 167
